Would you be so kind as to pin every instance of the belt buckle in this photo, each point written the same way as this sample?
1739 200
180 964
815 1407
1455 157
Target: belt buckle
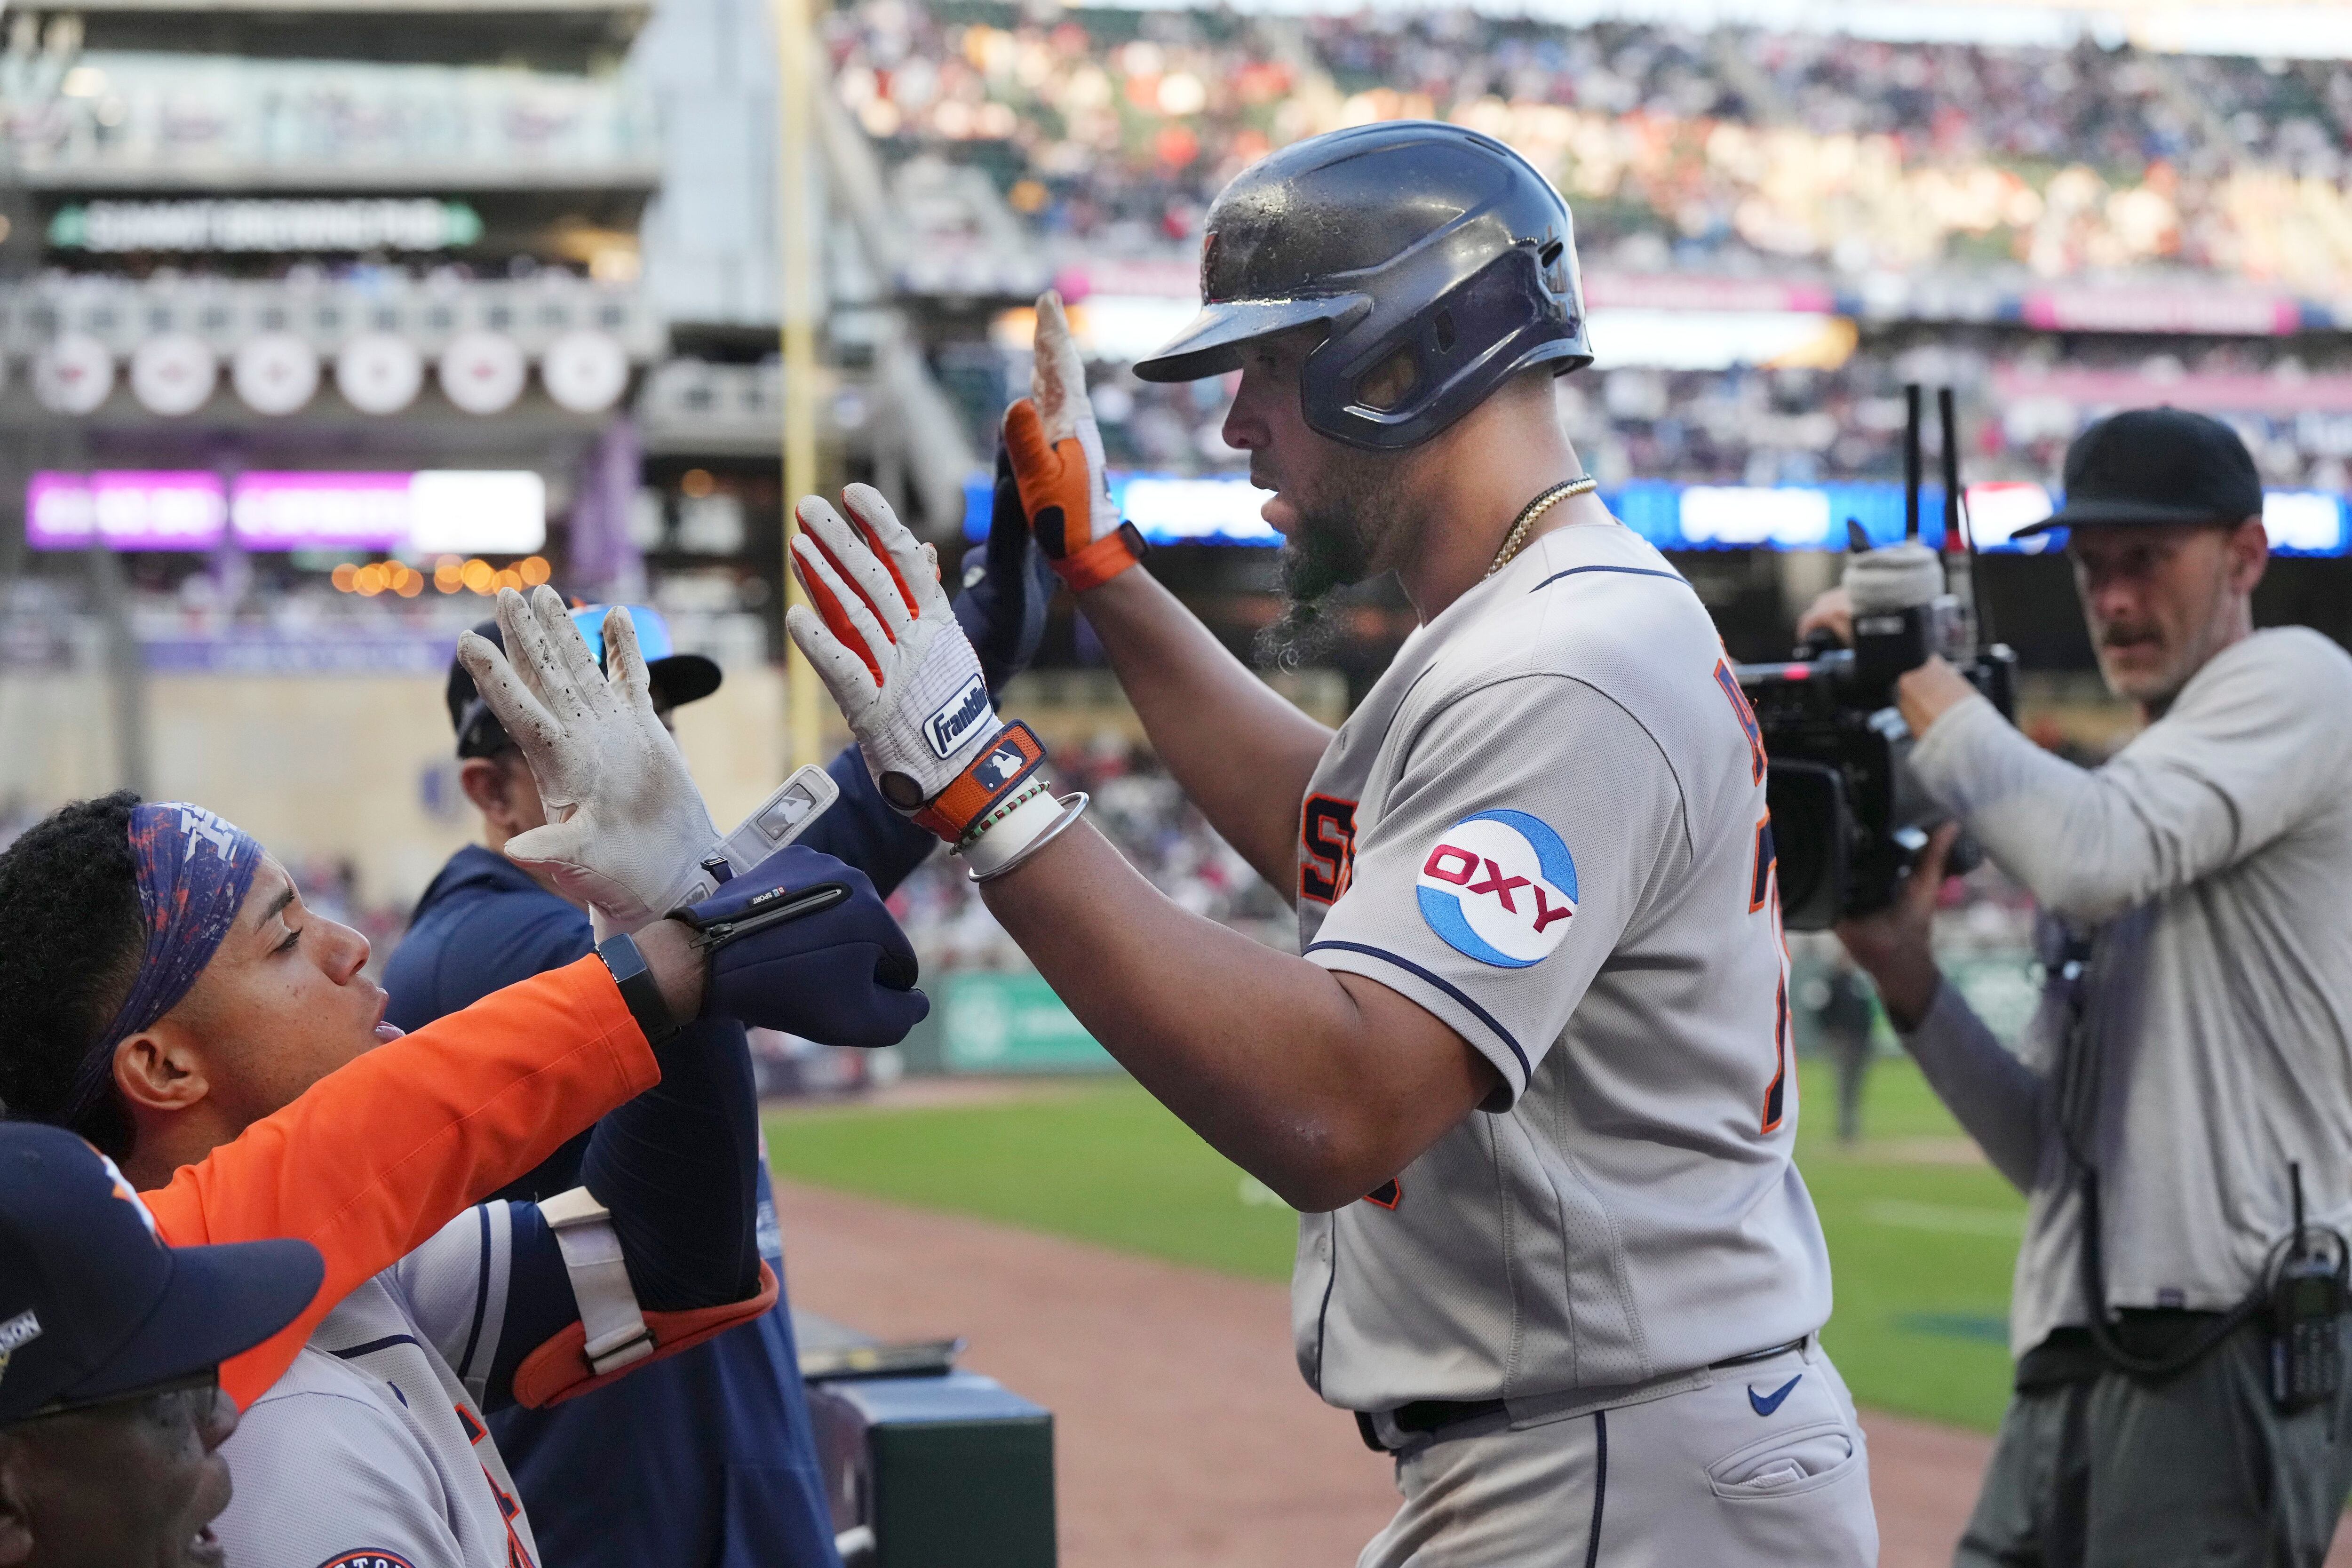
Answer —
1381 1432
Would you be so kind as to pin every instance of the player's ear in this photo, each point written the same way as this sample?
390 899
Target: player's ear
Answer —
496 786
160 1071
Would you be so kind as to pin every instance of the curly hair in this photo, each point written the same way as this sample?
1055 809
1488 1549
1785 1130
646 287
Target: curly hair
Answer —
71 936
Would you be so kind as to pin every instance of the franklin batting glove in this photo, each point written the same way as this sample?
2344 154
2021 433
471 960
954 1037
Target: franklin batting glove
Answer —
886 642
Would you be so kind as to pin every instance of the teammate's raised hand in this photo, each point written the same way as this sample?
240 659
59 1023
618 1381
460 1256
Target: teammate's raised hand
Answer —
884 641
802 944
627 829
1057 462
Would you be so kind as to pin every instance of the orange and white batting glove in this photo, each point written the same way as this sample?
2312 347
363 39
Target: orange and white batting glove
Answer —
884 639
1057 463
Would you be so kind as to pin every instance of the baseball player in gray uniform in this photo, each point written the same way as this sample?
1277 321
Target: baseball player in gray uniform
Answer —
1528 1080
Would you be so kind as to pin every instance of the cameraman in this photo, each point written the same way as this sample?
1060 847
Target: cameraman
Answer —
2193 1043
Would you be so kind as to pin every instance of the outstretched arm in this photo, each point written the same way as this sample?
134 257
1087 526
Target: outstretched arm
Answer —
2254 747
675 1168
1321 1084
451 1113
1242 753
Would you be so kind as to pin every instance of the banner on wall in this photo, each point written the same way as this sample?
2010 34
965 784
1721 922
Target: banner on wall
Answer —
433 511
1223 510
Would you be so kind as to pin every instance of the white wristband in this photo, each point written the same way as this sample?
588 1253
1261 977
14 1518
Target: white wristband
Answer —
1002 842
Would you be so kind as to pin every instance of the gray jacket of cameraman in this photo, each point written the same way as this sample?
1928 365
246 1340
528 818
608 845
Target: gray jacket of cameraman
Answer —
2210 863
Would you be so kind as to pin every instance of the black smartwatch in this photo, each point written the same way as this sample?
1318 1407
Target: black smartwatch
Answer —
628 967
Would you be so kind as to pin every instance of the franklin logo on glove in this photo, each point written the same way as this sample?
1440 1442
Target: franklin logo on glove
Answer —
958 717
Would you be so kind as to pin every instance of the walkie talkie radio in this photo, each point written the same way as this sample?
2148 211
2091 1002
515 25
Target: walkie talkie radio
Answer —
2307 1304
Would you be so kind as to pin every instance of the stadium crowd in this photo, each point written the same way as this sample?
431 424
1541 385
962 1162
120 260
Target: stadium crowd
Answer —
1139 807
2023 395
1726 151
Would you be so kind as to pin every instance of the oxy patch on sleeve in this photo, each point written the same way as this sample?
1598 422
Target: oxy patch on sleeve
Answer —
1499 886
368 1557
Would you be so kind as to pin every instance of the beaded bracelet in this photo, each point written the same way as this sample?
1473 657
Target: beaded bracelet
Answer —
1003 809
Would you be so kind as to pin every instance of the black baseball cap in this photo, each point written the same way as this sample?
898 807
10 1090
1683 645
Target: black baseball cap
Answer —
676 679
2149 465
94 1306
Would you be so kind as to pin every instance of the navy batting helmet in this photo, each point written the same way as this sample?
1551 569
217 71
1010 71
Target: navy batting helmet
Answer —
1418 242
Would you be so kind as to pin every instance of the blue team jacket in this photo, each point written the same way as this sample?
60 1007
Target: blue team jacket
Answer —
707 1459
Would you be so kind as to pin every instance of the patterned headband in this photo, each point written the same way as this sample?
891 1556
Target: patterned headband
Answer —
195 871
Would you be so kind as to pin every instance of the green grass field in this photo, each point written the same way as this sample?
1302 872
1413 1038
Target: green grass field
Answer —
1922 1246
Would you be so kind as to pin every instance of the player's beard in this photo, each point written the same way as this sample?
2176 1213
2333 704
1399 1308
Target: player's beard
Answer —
1347 532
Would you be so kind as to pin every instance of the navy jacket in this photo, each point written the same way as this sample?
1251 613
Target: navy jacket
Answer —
707 1459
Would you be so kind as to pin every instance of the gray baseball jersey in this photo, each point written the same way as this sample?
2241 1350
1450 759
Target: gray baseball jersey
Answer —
370 1452
1546 825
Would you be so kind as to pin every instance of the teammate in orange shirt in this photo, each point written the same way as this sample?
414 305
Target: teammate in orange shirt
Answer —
164 991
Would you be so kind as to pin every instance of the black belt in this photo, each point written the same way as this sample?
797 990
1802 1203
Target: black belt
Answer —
1424 1417
2071 1355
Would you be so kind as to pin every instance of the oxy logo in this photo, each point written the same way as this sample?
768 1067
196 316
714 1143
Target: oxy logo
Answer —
1499 886
954 719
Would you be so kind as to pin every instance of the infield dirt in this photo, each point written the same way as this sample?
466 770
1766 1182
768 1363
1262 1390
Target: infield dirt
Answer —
1184 1434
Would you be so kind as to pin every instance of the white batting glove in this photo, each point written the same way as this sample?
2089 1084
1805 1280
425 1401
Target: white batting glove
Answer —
883 639
628 831
1057 451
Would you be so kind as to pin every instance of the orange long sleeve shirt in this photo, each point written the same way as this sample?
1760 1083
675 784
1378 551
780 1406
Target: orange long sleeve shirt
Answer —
373 1158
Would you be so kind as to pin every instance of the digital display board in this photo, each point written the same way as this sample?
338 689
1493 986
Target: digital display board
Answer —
433 511
1170 510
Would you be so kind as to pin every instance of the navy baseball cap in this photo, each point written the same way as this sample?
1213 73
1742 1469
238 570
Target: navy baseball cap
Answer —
675 677
2159 466
94 1306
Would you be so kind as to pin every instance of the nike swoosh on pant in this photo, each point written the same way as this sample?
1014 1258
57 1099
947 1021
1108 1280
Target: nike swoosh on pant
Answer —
1764 1404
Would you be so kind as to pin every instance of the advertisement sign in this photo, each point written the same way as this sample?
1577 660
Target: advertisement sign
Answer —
482 372
378 373
1225 510
73 374
125 510
173 374
471 511
427 513
2304 522
584 371
266 225
275 373
1011 1022
321 511
1995 512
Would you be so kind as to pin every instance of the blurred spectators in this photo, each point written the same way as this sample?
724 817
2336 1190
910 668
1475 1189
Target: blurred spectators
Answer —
2022 400
1140 808
1727 150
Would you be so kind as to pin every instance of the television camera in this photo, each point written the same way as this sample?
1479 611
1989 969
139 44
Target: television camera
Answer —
1849 820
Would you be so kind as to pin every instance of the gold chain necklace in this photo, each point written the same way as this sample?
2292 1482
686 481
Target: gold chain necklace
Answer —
1517 539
